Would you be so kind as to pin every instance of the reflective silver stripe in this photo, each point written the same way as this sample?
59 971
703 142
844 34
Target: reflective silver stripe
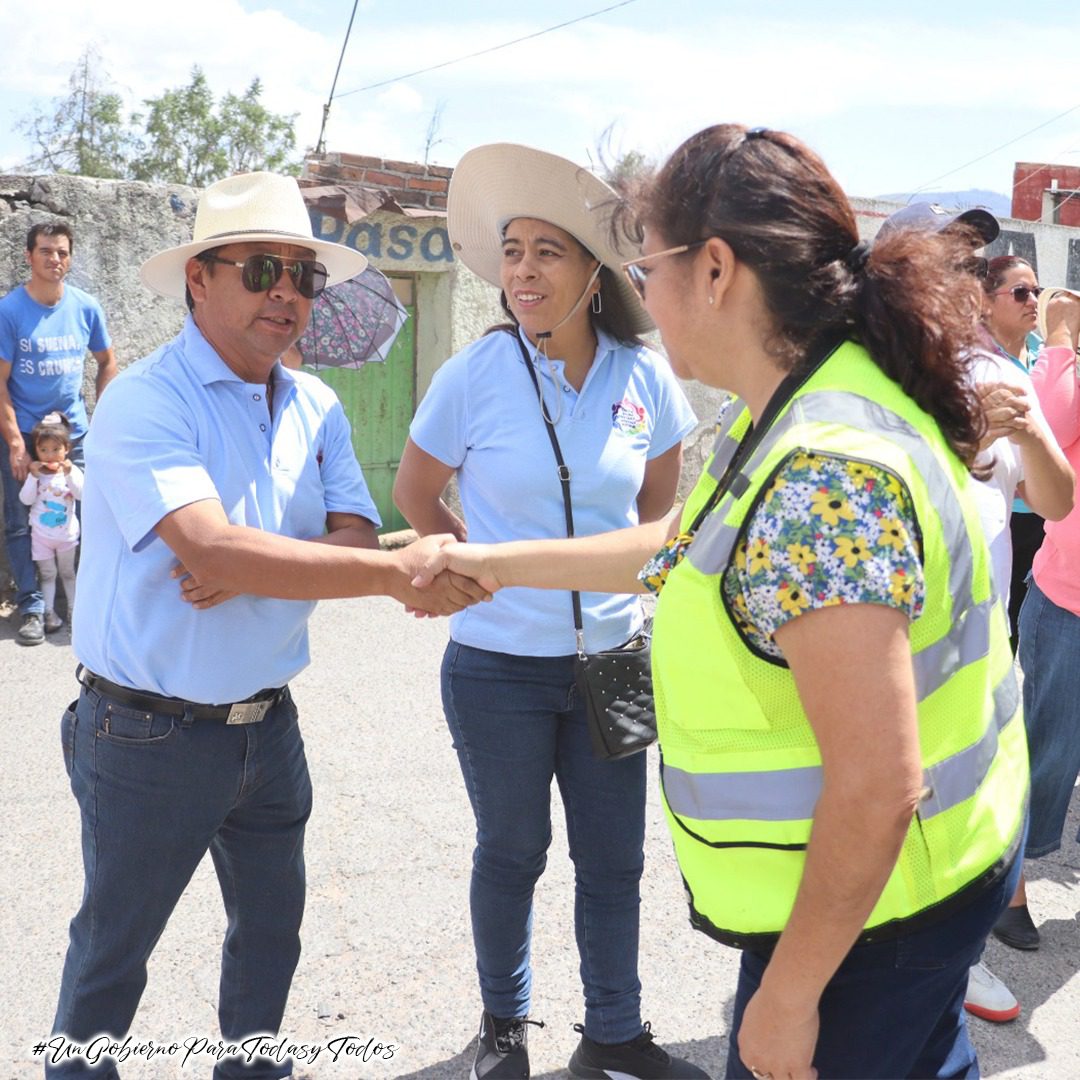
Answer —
783 795
950 782
792 794
710 553
726 444
968 640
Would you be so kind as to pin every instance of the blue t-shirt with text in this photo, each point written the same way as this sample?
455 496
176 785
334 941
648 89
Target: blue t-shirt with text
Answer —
46 348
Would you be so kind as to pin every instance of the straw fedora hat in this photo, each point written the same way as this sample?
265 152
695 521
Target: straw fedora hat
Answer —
494 184
258 206
1044 301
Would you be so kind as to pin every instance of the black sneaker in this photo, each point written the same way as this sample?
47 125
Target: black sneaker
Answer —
1016 928
31 632
638 1059
502 1051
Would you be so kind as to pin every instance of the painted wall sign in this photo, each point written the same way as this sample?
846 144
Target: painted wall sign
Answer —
1015 242
390 242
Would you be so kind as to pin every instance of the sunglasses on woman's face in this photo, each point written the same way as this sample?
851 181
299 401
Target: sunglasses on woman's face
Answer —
259 273
1020 293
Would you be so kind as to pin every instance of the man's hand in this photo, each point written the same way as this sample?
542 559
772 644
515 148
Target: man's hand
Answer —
20 461
426 591
470 560
778 1039
199 596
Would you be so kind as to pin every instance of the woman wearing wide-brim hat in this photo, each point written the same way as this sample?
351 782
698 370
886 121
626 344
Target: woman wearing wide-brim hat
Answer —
536 226
844 768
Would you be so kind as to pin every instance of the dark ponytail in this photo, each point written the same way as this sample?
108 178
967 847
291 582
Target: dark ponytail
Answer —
907 299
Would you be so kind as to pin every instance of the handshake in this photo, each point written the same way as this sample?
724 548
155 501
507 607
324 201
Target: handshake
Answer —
441 575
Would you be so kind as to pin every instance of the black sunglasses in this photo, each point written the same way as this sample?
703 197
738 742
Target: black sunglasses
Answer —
1020 293
258 273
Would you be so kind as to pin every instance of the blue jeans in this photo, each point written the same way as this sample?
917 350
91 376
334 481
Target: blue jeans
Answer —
1050 657
155 793
895 1009
17 530
517 722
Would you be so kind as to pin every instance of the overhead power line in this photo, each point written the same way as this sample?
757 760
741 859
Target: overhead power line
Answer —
990 153
484 52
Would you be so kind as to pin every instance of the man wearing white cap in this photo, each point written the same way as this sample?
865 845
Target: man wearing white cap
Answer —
211 462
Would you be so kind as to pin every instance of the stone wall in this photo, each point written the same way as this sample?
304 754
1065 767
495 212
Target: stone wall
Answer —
116 224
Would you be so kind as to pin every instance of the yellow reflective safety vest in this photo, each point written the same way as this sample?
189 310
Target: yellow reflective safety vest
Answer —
740 768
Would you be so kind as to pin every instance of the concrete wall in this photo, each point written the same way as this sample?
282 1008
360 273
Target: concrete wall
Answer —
1053 250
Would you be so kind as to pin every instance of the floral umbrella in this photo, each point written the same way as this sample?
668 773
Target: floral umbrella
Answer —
353 322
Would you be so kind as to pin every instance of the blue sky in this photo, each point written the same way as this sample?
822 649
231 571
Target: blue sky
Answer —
892 100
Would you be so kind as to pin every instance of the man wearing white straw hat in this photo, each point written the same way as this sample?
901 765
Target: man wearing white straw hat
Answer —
212 463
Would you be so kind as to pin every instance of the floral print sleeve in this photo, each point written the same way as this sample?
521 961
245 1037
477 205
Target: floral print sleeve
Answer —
828 530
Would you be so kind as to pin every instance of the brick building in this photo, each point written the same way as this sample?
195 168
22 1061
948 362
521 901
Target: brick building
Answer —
1046 193
409 184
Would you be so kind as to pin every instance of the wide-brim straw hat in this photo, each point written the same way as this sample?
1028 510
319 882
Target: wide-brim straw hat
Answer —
1044 301
249 207
494 184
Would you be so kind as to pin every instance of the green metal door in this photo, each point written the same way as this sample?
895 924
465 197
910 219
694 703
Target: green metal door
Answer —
380 400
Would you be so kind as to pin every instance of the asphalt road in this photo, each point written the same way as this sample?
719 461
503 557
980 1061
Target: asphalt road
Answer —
387 952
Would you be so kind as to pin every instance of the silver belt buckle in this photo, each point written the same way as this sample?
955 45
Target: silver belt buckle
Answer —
249 712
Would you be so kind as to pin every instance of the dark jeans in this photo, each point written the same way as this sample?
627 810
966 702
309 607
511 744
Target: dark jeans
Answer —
156 792
17 530
1027 536
1050 657
895 1009
516 723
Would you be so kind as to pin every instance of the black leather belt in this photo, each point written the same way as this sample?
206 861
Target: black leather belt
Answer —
250 711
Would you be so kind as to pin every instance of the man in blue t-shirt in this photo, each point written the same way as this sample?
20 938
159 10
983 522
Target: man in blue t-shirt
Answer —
46 328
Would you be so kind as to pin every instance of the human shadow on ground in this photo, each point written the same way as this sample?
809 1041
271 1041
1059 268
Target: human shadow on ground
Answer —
1037 976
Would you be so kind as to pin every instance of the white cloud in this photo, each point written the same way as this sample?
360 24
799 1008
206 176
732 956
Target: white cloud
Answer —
400 97
835 80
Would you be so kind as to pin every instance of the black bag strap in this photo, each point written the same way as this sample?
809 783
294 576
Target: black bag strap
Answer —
733 478
564 482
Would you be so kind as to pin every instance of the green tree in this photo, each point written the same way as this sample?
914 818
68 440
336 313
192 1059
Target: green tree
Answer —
84 132
182 143
190 140
256 138
619 167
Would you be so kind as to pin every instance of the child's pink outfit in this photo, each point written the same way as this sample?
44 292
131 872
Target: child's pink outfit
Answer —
54 533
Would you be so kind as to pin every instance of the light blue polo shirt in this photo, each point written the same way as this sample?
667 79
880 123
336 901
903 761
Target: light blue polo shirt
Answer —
481 417
174 428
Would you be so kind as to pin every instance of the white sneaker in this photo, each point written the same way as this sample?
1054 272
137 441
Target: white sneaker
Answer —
988 997
53 622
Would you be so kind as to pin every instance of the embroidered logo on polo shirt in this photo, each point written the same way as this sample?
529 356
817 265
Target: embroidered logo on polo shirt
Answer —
627 417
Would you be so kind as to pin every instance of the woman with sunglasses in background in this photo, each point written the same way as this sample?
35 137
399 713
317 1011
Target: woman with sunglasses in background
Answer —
843 760
1010 298
535 226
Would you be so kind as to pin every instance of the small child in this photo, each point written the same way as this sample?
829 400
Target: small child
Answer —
50 490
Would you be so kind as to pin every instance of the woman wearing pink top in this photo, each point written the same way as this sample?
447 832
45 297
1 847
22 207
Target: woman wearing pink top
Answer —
1050 625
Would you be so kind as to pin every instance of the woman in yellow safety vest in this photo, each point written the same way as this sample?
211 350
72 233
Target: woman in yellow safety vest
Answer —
843 765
